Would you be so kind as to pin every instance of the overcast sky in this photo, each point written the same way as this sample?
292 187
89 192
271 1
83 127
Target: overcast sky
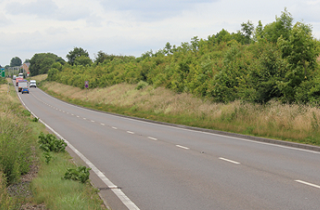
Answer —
130 27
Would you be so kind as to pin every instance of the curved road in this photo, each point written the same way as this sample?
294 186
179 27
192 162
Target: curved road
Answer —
152 166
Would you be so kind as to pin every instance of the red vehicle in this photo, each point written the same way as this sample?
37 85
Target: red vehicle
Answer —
17 80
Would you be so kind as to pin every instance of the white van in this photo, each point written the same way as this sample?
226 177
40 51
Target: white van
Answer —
33 83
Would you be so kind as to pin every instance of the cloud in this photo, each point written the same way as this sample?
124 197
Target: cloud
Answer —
48 9
4 21
152 10
40 8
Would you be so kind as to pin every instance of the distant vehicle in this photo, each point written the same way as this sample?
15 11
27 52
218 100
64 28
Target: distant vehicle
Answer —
25 90
14 77
22 85
17 80
20 75
33 83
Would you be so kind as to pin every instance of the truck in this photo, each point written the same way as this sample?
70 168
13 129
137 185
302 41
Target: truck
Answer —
23 84
17 80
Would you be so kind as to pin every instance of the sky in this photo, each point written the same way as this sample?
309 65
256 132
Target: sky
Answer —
131 27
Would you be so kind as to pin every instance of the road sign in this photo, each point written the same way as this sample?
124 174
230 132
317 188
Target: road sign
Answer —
86 84
3 72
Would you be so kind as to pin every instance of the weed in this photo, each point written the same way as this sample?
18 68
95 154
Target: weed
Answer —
80 174
35 119
50 143
47 157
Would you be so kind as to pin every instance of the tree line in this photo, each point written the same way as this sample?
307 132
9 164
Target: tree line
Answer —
255 64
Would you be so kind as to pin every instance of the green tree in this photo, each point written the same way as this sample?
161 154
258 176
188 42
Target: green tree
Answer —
76 52
223 36
281 27
83 60
301 52
40 63
247 30
16 61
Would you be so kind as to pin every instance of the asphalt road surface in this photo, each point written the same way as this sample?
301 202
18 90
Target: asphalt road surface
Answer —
151 166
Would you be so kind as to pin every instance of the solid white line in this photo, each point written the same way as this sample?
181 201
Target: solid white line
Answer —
230 161
182 147
130 132
307 183
118 192
152 138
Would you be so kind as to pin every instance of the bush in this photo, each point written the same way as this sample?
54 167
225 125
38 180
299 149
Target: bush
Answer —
50 143
141 85
80 174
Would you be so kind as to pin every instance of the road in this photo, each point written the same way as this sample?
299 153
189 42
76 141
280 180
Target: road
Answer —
155 166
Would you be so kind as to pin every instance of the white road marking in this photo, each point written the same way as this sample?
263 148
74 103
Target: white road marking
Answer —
102 124
114 128
84 118
78 116
118 192
307 183
195 131
130 132
230 161
182 147
92 121
152 138
72 114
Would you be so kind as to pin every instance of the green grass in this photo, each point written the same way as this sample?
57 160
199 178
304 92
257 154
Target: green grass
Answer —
19 149
295 123
58 193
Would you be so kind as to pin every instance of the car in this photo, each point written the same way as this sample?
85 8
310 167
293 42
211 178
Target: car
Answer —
25 90
14 77
33 83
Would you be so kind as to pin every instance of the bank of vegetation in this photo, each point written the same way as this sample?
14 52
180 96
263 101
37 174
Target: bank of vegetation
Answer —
261 81
277 61
27 179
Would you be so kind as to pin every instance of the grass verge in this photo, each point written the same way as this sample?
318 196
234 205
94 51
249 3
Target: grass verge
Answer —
23 167
289 122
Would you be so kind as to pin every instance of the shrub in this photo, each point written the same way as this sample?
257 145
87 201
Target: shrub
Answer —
50 143
80 174
141 85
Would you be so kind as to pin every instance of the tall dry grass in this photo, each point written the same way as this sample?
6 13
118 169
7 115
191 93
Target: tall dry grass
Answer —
284 121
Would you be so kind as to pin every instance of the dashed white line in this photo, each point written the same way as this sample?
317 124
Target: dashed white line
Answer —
309 184
102 124
72 114
152 138
182 147
114 127
92 121
78 116
84 118
130 132
230 161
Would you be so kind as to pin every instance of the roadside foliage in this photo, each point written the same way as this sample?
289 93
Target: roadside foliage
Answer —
256 64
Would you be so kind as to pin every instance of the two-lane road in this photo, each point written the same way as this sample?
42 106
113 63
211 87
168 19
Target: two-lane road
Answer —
162 167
